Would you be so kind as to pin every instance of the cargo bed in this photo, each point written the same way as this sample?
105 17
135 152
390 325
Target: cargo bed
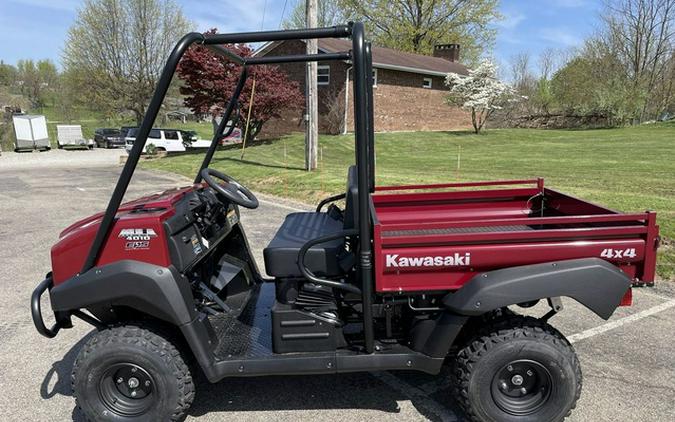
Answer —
436 237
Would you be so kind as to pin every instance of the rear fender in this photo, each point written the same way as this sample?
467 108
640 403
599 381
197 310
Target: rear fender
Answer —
157 291
593 282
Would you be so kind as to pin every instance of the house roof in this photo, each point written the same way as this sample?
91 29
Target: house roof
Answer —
387 58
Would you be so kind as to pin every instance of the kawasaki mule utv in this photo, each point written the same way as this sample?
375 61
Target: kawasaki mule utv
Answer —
403 277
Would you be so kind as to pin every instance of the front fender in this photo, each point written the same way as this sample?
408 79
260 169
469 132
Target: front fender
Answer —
151 289
593 282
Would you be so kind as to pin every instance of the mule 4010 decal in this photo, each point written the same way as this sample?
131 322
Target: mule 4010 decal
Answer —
137 238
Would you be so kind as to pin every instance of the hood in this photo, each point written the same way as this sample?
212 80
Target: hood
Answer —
156 201
146 213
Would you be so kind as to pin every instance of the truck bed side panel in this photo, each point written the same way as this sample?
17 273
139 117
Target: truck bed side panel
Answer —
431 240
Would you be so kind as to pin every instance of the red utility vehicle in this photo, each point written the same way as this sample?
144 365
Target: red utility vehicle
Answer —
402 277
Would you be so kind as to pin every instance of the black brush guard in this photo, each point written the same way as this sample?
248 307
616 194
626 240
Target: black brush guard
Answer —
62 319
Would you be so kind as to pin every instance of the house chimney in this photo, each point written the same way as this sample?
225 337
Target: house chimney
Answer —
448 52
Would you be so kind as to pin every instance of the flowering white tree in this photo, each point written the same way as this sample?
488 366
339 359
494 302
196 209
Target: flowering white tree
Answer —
480 92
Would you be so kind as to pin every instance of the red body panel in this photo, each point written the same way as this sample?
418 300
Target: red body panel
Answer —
437 240
137 222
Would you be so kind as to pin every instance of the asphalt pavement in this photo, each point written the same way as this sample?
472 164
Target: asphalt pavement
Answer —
628 362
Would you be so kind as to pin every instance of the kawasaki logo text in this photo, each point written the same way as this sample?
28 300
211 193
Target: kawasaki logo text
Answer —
456 260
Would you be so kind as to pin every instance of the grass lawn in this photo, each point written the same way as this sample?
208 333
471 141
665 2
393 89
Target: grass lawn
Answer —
627 169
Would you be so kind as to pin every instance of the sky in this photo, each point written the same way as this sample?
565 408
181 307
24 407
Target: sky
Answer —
532 26
37 28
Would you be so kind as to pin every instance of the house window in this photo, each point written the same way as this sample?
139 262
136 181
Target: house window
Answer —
426 83
323 75
375 77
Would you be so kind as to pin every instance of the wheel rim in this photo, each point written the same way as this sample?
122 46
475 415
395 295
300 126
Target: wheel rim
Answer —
522 387
127 389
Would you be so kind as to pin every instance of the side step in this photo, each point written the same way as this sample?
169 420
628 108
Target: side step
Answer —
296 330
325 363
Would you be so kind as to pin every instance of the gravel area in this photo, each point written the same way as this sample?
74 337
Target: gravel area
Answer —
61 157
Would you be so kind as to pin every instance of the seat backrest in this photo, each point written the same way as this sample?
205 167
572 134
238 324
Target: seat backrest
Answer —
351 214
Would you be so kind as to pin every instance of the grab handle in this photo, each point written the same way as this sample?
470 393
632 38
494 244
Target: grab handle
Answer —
307 273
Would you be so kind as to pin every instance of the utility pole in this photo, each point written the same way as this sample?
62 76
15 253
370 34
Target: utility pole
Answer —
312 113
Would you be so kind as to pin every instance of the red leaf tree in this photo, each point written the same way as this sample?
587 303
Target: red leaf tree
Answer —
210 80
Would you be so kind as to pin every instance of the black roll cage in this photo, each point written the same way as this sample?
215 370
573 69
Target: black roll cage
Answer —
361 58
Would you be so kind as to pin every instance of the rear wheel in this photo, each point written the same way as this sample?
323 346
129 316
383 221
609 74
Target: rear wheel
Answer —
517 369
131 373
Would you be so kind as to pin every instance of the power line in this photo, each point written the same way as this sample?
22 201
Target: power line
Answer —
281 20
262 24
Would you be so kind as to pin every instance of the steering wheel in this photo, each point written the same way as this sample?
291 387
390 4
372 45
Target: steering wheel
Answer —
231 190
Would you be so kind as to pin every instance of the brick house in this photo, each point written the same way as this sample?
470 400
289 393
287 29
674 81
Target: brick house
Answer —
409 90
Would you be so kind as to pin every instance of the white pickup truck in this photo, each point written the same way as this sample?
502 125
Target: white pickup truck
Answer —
175 140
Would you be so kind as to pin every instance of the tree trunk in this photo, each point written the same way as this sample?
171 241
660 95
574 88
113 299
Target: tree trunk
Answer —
215 123
254 129
484 115
139 116
473 121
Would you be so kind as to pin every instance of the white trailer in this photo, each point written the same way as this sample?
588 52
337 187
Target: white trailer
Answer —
71 136
31 132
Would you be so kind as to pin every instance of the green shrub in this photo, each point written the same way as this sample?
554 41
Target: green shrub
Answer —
6 136
151 149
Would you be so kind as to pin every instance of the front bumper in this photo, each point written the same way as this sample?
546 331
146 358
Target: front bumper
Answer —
62 319
115 142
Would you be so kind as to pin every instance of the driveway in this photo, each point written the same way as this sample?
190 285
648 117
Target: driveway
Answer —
628 362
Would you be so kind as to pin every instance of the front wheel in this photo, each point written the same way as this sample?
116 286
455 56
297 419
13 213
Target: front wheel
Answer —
131 373
518 369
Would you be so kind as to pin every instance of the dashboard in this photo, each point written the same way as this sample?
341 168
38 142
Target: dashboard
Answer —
200 223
